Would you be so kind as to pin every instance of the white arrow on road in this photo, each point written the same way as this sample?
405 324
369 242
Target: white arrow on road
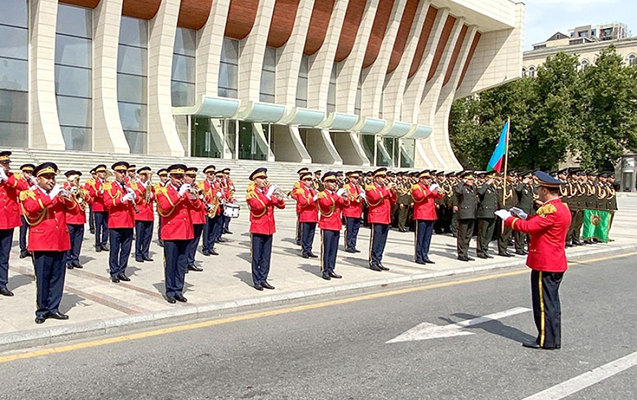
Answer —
426 330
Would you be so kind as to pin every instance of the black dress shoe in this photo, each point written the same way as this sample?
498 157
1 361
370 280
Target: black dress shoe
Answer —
463 258
194 268
58 315
470 258
428 261
312 255
350 251
335 275
267 286
520 252
326 277
139 259
5 292
123 277
171 300
148 259
489 256
214 252
105 248
483 256
69 266
258 287
180 297
375 267
421 262
305 255
505 254
531 345
227 232
161 243
24 254
114 279
205 253
76 264
98 249
356 251
221 240
384 268
39 320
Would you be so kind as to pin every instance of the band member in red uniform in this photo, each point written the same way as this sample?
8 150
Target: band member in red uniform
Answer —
210 189
297 185
380 198
100 214
197 216
76 217
91 217
174 203
230 189
424 194
307 207
261 202
131 173
221 197
119 199
163 181
10 187
27 175
547 259
353 212
331 202
144 219
45 207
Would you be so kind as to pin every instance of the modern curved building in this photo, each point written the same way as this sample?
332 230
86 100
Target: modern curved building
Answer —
354 82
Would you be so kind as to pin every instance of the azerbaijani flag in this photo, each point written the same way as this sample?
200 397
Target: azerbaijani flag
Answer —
497 159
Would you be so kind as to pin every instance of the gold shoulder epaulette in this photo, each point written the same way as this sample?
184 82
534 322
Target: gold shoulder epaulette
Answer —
322 195
160 190
546 209
251 195
250 187
370 187
26 193
107 185
300 191
17 175
414 187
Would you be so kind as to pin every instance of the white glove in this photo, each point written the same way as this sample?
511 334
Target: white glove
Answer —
271 191
3 175
315 197
183 189
341 191
73 189
434 187
128 197
219 195
363 196
55 191
503 214
519 213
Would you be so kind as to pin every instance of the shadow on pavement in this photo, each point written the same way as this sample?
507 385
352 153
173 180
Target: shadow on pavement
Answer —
244 276
19 280
69 301
312 269
494 327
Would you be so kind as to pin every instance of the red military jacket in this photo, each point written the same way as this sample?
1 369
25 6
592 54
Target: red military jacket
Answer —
47 219
144 203
297 185
331 207
198 213
354 209
9 193
95 189
76 212
548 230
175 212
380 200
120 214
306 205
262 212
425 202
210 192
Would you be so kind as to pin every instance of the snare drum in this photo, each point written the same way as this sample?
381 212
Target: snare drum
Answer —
231 210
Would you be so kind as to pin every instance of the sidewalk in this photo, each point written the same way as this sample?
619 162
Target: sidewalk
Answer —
97 306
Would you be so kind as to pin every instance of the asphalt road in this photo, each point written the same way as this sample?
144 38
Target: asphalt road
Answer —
340 351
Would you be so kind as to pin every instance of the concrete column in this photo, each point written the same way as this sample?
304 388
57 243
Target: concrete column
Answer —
44 123
372 88
347 82
290 54
162 134
263 141
319 144
393 95
252 50
288 144
108 135
322 61
432 94
445 100
210 40
350 149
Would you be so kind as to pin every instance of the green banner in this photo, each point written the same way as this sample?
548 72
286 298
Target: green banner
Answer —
596 225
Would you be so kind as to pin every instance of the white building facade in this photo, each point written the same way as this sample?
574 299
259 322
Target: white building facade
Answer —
354 82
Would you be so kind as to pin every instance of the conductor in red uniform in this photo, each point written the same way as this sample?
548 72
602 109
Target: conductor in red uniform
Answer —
261 202
45 208
380 198
425 195
331 206
10 188
174 204
547 259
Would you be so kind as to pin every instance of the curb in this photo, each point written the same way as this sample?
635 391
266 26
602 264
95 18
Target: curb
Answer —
58 334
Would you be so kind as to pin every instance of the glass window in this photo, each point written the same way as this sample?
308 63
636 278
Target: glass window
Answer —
632 60
183 68
532 72
76 138
268 83
268 76
14 74
133 116
331 90
74 111
230 93
13 134
136 141
74 21
230 51
132 88
132 60
14 12
228 75
269 59
301 92
14 42
13 106
229 69
133 32
183 94
72 81
74 51
186 42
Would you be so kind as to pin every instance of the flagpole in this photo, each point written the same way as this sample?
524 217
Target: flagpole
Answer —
506 162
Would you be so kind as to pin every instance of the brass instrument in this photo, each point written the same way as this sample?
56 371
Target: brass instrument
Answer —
148 194
122 183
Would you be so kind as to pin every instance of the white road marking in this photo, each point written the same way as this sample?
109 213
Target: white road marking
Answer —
587 379
426 330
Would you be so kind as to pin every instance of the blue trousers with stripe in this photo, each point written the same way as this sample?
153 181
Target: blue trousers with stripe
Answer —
261 252
329 249
352 226
50 271
424 230
378 242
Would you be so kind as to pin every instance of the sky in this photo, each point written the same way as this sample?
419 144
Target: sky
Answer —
545 17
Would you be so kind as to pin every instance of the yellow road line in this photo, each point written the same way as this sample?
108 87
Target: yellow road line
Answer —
204 324
603 258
